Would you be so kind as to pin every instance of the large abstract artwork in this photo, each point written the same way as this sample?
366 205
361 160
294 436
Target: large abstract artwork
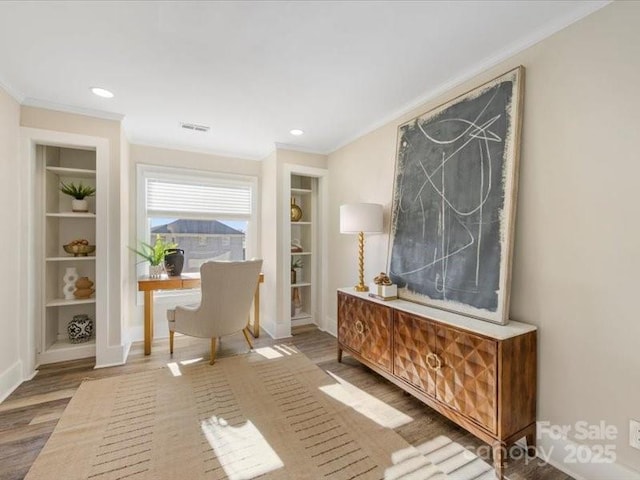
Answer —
454 201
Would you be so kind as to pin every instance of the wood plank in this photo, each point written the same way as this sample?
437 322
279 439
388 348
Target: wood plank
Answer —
11 404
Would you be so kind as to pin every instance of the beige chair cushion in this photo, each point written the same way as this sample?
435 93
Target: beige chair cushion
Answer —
171 313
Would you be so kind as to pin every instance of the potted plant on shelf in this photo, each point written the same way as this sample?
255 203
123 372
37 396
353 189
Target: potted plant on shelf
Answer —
296 269
154 254
79 193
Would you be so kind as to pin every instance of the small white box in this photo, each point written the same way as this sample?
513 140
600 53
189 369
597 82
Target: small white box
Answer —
384 291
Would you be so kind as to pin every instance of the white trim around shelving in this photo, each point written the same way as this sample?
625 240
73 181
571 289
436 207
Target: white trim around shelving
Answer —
31 302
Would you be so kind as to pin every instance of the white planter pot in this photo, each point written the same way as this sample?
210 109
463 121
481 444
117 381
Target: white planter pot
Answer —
79 205
156 271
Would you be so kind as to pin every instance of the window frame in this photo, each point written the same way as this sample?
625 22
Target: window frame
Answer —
146 171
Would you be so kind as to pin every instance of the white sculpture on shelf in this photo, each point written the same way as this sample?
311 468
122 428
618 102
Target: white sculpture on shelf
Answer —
70 277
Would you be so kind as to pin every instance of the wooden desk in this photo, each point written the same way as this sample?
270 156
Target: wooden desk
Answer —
185 281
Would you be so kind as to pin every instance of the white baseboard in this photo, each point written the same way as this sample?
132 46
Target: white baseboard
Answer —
556 452
10 379
136 333
331 326
302 321
112 356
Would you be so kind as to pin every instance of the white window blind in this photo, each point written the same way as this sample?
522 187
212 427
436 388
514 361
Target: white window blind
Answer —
206 199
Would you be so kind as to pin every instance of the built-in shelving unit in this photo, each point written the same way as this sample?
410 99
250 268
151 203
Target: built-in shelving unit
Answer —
303 233
59 225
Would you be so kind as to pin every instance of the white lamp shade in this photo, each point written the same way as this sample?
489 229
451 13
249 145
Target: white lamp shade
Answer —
361 217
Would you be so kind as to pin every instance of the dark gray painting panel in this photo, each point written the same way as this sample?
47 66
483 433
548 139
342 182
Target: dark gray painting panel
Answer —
449 199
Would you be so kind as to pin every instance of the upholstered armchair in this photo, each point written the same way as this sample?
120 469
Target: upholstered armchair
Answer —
227 293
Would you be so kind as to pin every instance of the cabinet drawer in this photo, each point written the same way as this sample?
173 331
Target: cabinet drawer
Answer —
365 327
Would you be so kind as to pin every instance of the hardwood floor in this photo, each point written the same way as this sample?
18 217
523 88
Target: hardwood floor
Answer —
30 414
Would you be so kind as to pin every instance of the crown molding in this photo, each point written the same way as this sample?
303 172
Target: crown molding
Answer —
554 26
16 94
297 148
60 107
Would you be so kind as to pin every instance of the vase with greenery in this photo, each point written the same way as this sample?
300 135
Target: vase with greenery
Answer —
79 193
154 254
296 269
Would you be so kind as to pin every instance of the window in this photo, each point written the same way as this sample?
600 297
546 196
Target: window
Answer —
210 216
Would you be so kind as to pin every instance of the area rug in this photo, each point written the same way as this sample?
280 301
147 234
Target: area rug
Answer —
271 414
244 417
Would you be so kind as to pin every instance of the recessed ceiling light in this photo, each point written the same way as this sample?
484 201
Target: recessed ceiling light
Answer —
296 131
102 92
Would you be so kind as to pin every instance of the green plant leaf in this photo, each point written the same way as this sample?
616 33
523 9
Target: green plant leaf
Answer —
79 192
154 254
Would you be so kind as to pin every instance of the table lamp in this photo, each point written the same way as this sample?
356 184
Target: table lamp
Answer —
361 218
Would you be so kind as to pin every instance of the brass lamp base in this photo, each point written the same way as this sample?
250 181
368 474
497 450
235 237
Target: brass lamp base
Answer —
361 287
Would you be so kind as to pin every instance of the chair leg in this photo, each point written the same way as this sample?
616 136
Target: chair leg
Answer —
171 341
246 337
213 351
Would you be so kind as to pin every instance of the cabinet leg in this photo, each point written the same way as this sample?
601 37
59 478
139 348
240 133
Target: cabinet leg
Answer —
339 355
530 437
499 453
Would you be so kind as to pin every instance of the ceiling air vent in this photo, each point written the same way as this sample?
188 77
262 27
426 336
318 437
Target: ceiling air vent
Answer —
195 127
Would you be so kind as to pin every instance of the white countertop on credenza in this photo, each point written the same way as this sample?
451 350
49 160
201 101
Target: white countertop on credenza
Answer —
481 327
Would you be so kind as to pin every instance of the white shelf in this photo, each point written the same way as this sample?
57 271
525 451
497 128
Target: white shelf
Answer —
72 172
71 259
301 190
62 302
301 284
300 223
293 254
67 345
71 215
63 350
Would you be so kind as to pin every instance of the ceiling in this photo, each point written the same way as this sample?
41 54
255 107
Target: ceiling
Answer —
254 70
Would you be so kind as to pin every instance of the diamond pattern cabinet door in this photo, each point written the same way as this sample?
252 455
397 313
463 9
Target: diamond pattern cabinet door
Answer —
413 339
466 380
365 327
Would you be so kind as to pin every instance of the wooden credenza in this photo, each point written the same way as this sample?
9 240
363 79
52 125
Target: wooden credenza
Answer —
480 375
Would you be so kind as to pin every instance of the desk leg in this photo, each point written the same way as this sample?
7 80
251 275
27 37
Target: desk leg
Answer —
148 321
256 313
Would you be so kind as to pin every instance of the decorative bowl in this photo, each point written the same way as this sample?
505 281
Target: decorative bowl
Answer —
79 250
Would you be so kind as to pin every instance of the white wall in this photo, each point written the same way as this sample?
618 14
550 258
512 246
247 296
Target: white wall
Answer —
10 365
576 261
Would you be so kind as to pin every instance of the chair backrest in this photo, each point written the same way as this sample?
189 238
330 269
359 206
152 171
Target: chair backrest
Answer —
227 293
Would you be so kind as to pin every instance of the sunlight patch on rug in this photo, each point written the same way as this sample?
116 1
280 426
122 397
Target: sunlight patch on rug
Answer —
365 404
174 369
276 351
242 451
438 459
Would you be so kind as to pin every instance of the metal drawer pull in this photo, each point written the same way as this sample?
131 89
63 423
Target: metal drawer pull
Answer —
359 327
433 362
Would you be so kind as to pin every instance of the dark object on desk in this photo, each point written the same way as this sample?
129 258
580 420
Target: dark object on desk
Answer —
174 261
